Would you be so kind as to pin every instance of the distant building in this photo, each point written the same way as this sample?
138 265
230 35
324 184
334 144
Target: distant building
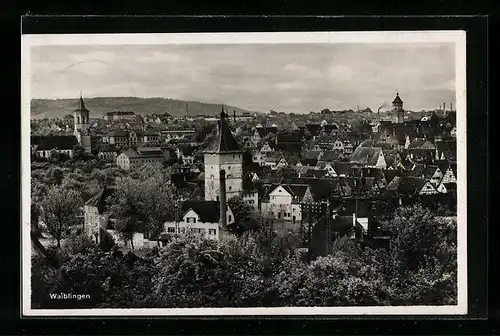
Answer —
132 138
120 115
133 159
168 135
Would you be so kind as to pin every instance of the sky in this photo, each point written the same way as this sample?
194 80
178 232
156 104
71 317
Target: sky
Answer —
295 78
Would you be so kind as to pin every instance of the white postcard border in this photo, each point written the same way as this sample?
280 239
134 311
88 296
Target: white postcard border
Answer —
457 37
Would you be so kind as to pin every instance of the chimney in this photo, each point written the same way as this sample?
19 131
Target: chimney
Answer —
353 234
451 106
222 200
234 115
444 107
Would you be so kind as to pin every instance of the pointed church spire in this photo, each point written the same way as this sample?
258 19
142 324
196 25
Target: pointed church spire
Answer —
81 105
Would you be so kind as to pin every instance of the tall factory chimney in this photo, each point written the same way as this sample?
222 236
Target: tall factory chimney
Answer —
234 115
451 107
222 200
444 108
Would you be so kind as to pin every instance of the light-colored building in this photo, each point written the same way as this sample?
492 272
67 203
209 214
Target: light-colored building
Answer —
224 153
132 138
283 202
133 159
201 217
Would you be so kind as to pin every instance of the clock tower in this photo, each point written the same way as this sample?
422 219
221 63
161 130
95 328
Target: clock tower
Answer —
224 153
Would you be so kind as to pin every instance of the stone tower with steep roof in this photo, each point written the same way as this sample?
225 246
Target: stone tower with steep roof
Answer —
397 105
224 153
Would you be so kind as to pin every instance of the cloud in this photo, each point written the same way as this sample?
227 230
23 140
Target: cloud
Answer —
258 77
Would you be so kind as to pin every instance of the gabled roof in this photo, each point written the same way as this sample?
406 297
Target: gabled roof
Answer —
429 171
406 185
62 142
342 168
208 211
330 156
421 143
311 155
391 174
224 140
316 173
366 155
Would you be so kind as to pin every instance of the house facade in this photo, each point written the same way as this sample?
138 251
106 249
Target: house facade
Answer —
202 217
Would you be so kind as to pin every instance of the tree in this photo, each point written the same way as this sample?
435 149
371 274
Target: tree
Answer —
245 216
421 265
144 203
191 273
78 153
59 211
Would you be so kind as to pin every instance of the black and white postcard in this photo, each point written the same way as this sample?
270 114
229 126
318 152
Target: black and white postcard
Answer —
244 174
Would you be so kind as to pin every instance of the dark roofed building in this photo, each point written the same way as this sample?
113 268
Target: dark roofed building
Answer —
446 150
208 211
41 146
370 157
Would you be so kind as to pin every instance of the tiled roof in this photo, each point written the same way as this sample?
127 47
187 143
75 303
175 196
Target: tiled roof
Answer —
316 173
366 155
330 156
209 211
406 185
62 142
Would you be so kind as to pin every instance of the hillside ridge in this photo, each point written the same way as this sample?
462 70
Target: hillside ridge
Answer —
99 106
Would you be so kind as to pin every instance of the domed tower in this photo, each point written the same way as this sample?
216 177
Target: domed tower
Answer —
81 123
224 153
397 106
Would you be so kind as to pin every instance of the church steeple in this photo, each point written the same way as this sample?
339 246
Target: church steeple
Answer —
81 105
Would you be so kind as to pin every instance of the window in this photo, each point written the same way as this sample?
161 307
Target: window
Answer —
212 231
229 218
170 229
230 187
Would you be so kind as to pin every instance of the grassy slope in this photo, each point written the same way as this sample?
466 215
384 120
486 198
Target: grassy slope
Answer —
45 108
